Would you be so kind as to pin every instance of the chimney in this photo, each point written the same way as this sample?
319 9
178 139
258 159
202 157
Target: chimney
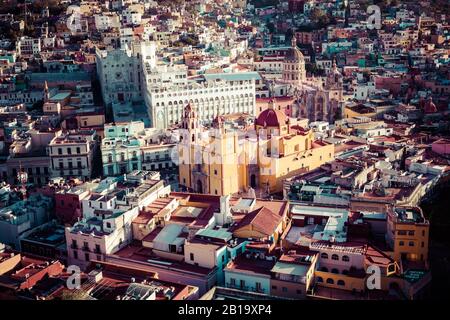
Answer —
224 216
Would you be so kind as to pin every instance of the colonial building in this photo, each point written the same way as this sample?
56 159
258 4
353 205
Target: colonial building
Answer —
294 65
318 99
225 160
128 146
120 71
71 154
211 94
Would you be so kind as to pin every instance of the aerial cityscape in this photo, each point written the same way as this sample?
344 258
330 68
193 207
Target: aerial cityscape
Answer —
224 150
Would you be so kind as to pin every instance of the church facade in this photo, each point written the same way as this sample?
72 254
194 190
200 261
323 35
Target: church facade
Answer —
317 99
224 160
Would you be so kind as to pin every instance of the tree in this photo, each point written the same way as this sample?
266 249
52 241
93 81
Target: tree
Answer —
270 26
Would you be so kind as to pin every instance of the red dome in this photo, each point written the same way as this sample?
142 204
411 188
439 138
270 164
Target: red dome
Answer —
271 118
430 107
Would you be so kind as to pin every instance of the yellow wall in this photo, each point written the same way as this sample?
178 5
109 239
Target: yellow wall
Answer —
418 252
350 282
348 113
226 165
293 164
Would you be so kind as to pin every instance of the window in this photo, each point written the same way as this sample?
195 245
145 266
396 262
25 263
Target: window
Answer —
233 282
330 281
341 283
345 258
324 255
75 254
401 243
97 248
86 256
411 243
334 270
242 283
258 287
69 150
59 151
108 225
310 220
335 257
423 244
74 244
284 289
191 256
324 269
319 279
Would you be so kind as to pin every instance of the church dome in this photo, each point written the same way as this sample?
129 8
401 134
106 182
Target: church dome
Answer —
271 118
293 54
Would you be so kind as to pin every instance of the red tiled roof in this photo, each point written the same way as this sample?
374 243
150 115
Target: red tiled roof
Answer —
262 219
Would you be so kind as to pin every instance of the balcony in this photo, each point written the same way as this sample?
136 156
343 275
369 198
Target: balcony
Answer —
69 168
235 286
86 249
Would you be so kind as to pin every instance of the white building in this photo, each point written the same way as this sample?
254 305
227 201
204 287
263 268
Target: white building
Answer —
107 215
211 95
106 21
28 46
130 16
120 71
71 153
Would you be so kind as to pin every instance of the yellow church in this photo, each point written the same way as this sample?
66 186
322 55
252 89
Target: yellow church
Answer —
226 160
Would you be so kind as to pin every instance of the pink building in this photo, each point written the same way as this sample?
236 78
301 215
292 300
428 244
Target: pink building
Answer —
441 146
68 204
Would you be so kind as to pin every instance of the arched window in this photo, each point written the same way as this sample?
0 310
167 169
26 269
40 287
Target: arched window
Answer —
324 255
344 271
330 281
324 269
335 257
334 270
341 283
345 258
319 279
